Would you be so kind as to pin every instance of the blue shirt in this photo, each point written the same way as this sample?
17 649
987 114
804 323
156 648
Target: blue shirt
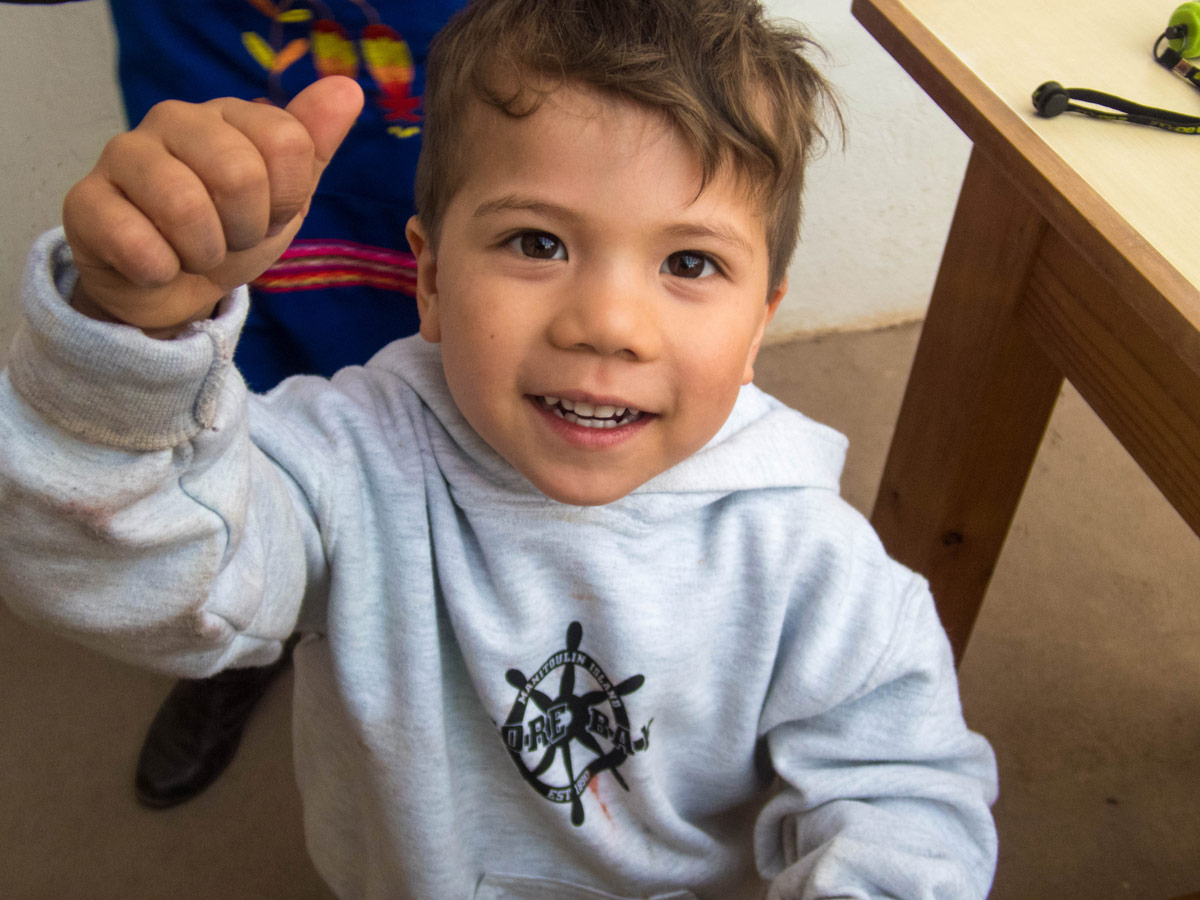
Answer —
344 288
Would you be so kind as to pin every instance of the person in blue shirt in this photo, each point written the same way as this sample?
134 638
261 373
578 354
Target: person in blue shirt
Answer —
341 291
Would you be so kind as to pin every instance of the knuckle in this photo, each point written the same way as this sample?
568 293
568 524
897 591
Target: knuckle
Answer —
120 146
238 175
185 207
78 198
290 142
165 111
143 260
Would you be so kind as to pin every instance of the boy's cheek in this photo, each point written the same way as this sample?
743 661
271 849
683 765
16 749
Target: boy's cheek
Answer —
431 327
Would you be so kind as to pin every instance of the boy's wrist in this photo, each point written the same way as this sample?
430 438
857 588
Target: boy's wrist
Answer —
82 303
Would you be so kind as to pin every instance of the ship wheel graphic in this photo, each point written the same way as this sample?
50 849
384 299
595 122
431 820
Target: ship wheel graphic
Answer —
550 738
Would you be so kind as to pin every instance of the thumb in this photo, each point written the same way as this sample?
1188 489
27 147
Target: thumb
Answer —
328 108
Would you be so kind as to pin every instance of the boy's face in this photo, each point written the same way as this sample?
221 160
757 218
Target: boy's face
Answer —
596 316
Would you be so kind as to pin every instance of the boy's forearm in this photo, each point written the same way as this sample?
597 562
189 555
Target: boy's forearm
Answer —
127 477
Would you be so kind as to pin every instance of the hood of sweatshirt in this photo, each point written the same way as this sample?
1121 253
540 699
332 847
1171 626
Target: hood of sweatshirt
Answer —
763 444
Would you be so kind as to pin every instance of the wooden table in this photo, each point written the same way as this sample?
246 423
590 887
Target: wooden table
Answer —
1074 251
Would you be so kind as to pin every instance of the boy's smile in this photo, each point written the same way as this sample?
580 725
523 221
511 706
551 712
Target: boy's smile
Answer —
597 315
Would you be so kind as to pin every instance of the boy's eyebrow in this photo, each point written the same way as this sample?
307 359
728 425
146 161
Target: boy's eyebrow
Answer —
712 231
514 203
683 231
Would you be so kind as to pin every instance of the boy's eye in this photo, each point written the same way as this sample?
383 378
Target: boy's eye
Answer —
689 264
538 245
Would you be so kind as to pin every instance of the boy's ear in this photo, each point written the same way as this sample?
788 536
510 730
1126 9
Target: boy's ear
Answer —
768 314
427 297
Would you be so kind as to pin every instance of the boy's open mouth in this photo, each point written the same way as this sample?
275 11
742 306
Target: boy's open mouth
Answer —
589 416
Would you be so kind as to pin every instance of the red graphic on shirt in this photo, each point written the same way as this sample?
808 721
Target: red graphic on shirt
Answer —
390 62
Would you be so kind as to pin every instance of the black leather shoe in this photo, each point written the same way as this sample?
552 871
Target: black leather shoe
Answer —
196 732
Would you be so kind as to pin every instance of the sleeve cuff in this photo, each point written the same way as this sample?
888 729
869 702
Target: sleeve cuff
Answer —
110 384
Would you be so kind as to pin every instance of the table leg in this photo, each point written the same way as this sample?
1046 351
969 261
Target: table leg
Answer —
977 403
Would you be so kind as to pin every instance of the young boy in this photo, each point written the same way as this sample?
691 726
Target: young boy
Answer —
584 614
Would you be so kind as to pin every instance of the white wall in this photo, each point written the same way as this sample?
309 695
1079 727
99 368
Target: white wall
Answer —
59 106
876 213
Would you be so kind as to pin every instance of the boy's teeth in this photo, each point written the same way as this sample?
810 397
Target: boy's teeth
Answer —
580 413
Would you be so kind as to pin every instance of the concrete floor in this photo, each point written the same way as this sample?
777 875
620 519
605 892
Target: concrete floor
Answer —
1084 671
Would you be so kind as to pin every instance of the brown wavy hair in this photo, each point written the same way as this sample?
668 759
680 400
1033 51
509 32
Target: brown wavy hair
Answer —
740 88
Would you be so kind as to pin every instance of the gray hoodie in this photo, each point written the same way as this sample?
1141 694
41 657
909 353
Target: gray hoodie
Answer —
718 686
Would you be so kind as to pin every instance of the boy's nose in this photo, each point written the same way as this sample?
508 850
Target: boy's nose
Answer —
610 314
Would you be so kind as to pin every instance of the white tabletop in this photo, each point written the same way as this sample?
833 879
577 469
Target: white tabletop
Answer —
1148 176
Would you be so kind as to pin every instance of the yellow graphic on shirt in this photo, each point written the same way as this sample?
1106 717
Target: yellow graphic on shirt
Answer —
332 50
266 57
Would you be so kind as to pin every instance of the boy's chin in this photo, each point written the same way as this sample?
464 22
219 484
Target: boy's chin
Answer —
587 491
586 498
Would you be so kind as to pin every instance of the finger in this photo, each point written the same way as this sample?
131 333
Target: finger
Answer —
106 230
286 150
227 161
170 194
328 109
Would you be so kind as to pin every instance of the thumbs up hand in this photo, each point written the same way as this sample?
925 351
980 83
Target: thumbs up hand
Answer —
198 199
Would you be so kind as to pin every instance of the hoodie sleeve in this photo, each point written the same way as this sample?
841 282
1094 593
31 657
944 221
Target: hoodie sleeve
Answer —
136 516
885 792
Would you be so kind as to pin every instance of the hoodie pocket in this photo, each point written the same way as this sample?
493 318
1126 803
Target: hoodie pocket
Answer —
522 887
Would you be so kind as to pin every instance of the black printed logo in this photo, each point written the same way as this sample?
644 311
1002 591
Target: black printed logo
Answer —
560 743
